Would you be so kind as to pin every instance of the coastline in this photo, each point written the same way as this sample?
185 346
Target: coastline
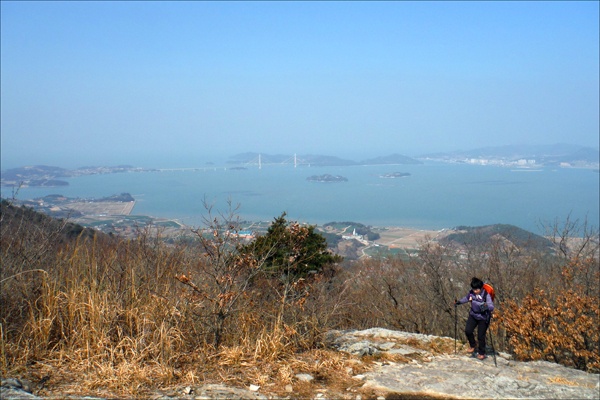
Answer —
103 208
434 198
407 237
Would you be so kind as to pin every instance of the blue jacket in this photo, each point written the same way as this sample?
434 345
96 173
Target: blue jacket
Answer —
478 310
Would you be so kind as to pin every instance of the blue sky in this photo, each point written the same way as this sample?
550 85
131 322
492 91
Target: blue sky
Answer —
146 83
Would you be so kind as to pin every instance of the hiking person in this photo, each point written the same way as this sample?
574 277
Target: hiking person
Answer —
480 313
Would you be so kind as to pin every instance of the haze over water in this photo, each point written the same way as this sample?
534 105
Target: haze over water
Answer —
130 82
434 196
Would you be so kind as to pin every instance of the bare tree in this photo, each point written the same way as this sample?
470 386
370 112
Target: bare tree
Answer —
220 277
574 239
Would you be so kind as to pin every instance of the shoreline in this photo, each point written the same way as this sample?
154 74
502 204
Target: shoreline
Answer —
407 237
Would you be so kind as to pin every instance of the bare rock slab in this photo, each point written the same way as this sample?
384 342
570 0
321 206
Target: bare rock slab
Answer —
463 377
439 374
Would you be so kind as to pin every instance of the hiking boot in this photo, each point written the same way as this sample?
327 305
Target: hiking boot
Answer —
470 349
481 357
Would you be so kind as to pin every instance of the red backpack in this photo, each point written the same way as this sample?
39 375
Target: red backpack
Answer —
489 289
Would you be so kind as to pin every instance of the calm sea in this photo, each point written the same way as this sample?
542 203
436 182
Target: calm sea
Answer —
434 196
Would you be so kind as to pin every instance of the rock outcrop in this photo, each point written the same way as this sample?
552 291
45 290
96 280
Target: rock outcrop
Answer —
426 369
12 388
400 365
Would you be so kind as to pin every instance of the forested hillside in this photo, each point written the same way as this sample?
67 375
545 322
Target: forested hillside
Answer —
477 236
142 313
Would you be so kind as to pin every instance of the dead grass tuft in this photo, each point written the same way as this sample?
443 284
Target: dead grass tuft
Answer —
441 346
559 380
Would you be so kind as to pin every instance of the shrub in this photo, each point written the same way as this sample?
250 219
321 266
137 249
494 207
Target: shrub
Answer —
558 325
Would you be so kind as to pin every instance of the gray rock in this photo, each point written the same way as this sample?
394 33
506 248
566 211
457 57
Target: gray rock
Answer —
305 377
386 346
362 348
227 392
8 393
382 333
464 377
375 341
459 376
13 388
405 350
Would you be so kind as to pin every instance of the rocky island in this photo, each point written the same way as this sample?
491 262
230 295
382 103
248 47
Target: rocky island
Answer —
395 175
327 178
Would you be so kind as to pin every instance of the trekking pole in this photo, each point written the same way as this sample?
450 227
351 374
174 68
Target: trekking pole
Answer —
492 343
455 325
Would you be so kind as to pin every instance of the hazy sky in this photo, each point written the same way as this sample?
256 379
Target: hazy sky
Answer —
146 82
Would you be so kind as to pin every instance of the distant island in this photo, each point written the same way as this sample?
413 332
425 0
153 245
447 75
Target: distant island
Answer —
43 175
327 178
395 175
521 158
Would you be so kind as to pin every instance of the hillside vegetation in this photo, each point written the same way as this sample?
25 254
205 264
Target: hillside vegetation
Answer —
119 317
478 236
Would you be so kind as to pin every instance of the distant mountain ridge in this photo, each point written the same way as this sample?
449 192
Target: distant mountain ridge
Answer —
317 160
391 159
563 155
559 154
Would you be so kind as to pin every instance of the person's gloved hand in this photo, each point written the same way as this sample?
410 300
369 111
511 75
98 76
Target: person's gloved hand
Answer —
483 307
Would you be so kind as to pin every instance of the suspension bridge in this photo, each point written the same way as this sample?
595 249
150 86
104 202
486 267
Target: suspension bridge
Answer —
293 160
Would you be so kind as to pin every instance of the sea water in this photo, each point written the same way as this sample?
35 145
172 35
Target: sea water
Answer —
434 196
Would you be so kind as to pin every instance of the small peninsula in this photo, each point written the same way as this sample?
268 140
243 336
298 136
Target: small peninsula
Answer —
44 175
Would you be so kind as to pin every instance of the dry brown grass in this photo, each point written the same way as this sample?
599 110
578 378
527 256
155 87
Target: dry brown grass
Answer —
107 317
559 380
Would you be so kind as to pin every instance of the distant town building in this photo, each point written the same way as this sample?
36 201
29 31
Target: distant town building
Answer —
355 236
246 234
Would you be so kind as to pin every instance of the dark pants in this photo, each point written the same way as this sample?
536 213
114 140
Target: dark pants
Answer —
481 330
